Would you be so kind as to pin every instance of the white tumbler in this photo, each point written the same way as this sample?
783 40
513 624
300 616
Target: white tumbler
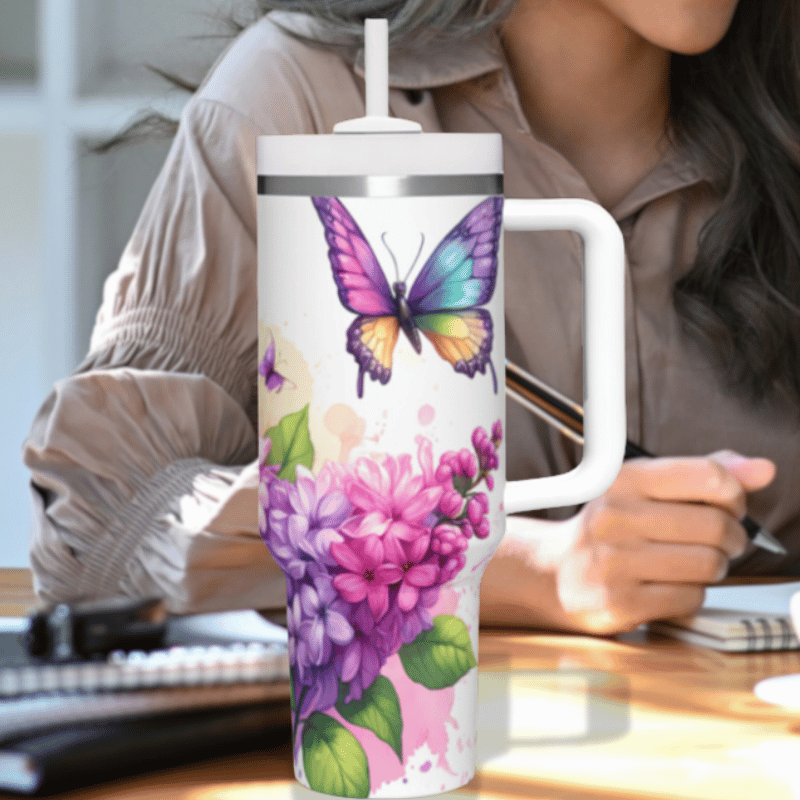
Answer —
381 414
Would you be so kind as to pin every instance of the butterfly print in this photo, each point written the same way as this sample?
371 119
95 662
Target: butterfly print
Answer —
266 369
443 303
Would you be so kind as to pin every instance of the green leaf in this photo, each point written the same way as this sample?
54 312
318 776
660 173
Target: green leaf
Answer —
378 710
441 655
334 761
291 444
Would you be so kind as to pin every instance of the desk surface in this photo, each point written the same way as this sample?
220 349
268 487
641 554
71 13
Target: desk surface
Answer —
565 718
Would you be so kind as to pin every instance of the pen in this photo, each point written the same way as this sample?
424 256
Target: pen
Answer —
567 416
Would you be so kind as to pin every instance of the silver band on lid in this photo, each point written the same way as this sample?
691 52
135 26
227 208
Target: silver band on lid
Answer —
379 185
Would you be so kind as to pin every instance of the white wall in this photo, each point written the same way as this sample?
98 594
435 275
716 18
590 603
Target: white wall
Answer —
72 71
22 330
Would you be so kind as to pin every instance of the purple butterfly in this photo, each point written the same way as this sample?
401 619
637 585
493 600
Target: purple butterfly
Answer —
443 303
266 369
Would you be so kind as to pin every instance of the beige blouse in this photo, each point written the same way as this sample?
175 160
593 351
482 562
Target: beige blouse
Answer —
143 461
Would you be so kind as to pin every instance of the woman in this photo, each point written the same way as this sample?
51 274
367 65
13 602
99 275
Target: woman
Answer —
680 117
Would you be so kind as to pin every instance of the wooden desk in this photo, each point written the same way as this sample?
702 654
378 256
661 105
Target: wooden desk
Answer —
16 592
637 716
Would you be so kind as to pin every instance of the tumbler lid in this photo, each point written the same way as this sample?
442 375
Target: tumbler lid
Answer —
381 154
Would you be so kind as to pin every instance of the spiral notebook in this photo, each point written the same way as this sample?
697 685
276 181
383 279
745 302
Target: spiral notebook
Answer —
213 660
220 685
738 619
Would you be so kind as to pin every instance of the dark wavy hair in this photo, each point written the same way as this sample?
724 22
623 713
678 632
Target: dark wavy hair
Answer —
735 113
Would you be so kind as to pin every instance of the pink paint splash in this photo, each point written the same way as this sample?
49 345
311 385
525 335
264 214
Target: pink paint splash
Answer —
426 414
345 424
419 707
447 602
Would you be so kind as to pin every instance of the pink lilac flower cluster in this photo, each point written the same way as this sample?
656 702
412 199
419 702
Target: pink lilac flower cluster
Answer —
366 548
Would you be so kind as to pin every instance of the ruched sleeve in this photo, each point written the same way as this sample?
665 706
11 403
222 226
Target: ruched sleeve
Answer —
132 495
143 462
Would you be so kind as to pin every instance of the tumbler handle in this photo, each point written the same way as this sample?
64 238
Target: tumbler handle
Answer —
603 347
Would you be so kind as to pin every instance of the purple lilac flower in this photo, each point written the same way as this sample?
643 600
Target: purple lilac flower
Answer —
266 476
400 627
263 508
319 690
359 664
448 539
298 650
452 566
390 501
497 433
318 627
451 504
414 571
367 574
304 520
486 449
366 548
324 621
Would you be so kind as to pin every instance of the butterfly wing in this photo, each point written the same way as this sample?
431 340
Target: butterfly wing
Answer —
363 289
462 271
462 338
459 276
371 341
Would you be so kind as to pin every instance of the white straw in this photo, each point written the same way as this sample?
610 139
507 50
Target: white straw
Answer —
376 66
376 75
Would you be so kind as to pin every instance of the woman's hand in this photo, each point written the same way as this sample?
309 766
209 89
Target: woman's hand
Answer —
647 547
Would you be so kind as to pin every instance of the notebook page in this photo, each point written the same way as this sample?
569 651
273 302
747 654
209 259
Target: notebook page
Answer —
225 627
765 598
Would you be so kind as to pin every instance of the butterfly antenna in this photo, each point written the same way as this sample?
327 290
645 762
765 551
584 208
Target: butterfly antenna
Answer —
416 258
396 269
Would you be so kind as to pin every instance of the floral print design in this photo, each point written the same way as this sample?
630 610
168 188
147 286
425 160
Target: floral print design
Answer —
366 548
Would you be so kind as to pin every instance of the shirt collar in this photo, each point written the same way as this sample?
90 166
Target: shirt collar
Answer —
673 172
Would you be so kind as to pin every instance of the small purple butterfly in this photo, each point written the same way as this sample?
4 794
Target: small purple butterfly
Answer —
266 369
